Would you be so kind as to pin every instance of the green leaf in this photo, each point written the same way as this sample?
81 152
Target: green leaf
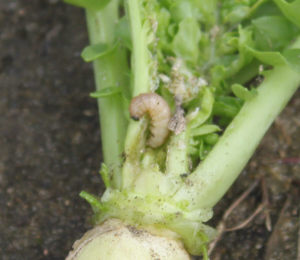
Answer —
123 32
203 10
182 9
237 14
208 9
96 51
162 33
293 57
226 106
290 10
90 4
272 32
92 200
192 150
205 110
201 150
228 43
204 130
211 139
106 92
104 172
289 57
186 42
168 96
204 149
163 20
268 57
242 92
232 64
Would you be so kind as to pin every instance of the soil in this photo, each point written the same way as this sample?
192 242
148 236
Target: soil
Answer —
50 148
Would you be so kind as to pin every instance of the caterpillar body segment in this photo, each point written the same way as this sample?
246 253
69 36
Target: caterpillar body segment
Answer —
159 112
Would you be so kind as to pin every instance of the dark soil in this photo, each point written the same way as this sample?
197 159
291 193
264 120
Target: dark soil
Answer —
50 147
50 140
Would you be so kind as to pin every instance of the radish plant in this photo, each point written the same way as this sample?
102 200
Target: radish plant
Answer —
186 90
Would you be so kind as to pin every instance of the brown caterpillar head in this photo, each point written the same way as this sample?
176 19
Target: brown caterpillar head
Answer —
135 118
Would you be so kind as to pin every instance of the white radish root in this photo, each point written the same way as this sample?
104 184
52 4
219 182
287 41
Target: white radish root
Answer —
114 240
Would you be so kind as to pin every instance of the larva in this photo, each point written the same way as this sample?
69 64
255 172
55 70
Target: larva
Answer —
158 110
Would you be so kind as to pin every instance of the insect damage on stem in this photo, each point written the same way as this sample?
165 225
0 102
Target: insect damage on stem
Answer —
158 110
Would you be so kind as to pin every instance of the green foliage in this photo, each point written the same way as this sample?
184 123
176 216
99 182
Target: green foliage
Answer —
89 4
184 9
242 92
123 32
186 40
204 130
287 57
204 113
272 32
93 201
292 58
234 12
96 51
106 92
290 10
104 172
211 139
204 53
227 106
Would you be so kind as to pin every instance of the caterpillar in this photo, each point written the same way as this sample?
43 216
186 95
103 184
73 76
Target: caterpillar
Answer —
158 110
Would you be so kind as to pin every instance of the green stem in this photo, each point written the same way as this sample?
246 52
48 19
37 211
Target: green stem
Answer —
110 71
139 63
216 173
177 156
139 49
255 6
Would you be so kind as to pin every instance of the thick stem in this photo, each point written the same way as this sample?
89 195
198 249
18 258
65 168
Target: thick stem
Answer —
139 49
177 156
110 71
140 69
216 173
